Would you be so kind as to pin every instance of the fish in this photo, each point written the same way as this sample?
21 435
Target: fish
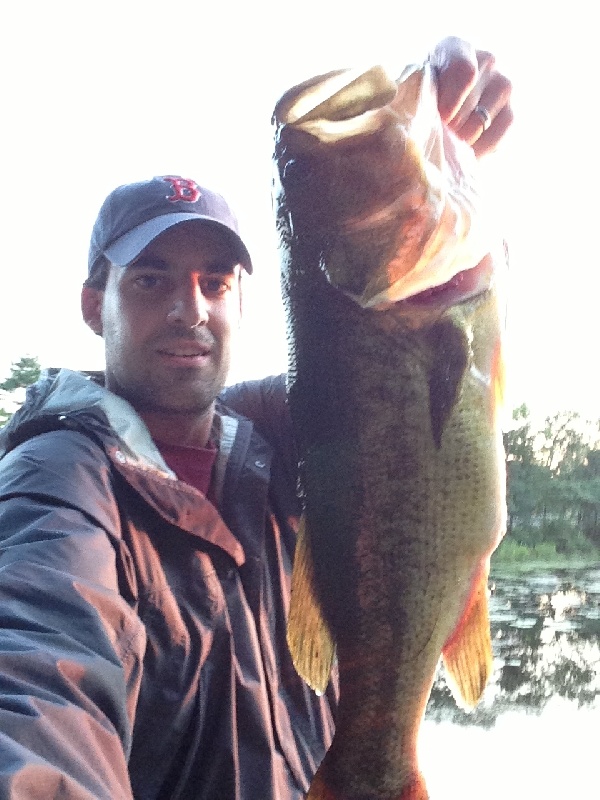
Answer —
392 285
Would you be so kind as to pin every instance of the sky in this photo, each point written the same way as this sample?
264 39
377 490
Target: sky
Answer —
94 95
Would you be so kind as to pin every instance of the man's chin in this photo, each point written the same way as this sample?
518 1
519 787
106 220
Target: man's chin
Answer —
170 403
172 396
167 406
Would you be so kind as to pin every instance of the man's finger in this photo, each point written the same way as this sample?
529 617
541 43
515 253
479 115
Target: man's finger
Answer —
482 107
489 140
457 68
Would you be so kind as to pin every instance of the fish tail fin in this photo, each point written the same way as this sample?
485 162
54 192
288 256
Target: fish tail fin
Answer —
467 655
321 790
308 635
415 790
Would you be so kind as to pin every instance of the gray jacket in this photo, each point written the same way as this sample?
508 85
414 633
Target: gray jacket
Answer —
142 632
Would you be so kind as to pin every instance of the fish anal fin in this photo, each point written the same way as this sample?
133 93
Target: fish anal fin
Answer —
308 635
467 655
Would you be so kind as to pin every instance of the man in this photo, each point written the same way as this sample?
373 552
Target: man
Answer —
148 529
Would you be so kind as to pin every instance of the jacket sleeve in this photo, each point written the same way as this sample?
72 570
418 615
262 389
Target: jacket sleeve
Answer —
71 647
265 403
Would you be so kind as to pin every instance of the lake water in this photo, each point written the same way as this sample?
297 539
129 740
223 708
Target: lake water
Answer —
535 733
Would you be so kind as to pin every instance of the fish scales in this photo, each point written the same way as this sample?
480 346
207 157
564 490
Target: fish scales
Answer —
395 415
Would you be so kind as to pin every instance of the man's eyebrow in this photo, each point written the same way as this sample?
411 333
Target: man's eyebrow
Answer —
219 266
145 261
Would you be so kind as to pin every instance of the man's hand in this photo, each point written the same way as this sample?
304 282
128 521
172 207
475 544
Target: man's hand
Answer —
473 98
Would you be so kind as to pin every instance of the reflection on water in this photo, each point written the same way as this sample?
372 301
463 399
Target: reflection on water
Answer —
546 636
552 755
535 731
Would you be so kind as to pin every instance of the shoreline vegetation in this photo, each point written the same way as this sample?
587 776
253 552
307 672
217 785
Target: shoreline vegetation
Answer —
512 554
553 492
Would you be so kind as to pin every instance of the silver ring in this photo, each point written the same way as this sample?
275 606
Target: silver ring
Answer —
486 117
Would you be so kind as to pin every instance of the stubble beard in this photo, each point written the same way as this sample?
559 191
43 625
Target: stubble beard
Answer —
182 395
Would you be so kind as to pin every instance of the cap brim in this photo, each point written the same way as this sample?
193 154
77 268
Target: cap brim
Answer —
128 247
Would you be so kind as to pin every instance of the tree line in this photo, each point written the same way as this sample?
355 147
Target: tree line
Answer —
553 478
553 474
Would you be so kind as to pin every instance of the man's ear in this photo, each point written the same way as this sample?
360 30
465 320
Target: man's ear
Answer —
241 298
91 308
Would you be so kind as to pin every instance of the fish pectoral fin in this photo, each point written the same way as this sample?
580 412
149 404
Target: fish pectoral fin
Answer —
308 635
467 655
451 350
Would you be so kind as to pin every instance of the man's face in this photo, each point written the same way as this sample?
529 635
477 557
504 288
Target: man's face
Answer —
167 321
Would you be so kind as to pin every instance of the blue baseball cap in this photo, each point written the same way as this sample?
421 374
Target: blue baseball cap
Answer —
136 213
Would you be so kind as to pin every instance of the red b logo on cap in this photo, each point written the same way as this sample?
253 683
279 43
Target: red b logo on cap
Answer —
183 189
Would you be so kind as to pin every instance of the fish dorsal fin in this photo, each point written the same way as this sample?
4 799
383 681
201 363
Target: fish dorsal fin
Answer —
467 655
308 635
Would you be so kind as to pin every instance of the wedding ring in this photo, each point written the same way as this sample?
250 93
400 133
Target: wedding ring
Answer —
486 117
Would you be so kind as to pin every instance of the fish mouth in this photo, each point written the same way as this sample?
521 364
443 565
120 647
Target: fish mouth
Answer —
338 105
463 286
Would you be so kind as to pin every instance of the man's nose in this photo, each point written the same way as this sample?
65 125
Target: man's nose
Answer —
190 307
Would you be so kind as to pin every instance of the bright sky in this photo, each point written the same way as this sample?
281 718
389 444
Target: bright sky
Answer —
95 94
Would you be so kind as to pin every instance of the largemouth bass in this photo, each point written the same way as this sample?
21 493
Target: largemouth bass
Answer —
395 382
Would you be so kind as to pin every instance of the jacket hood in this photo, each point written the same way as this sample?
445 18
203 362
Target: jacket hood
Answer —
63 398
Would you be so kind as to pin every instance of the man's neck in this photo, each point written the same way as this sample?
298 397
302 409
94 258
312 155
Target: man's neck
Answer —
187 430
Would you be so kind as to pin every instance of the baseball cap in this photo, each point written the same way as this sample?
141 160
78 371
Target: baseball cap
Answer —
136 213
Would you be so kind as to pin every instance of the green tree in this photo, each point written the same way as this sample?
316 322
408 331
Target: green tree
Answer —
585 489
527 480
529 489
23 373
554 481
519 440
563 442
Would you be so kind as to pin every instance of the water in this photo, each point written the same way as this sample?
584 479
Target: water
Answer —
535 732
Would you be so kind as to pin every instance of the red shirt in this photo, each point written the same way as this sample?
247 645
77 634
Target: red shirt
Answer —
193 465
